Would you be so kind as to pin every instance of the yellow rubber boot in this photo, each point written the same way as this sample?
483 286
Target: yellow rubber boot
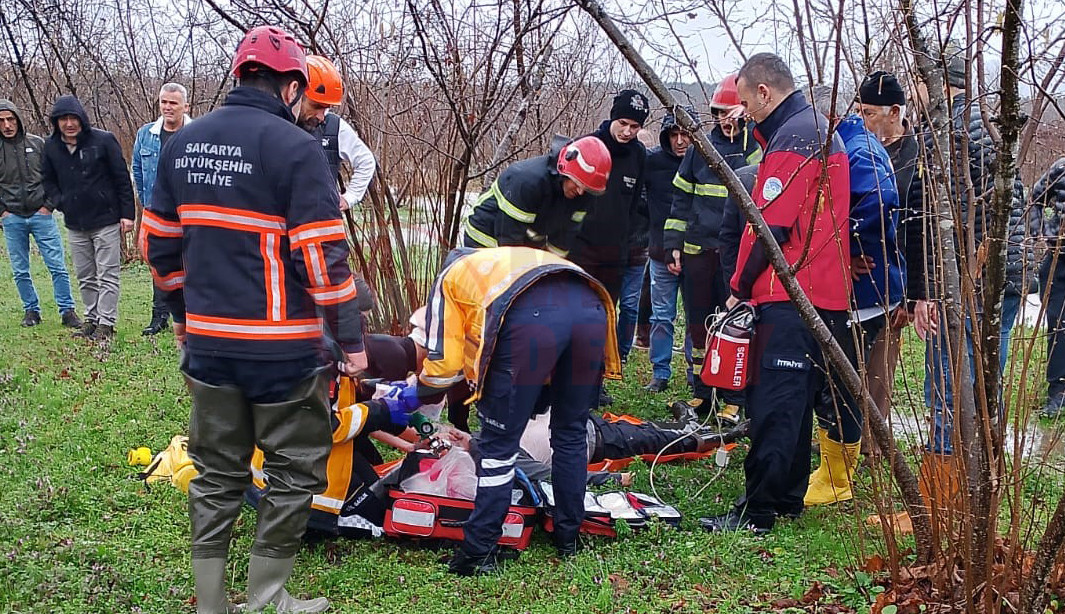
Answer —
831 482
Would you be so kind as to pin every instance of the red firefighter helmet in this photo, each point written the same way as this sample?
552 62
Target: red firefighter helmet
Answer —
726 96
270 47
324 85
587 162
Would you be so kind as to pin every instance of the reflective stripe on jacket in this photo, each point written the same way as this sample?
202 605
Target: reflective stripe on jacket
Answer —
468 302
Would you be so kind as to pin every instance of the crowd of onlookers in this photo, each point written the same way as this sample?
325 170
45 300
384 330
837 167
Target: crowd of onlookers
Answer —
843 183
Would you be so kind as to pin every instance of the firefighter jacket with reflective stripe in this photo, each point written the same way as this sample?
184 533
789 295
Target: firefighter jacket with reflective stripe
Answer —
694 221
806 204
243 233
467 305
526 206
346 505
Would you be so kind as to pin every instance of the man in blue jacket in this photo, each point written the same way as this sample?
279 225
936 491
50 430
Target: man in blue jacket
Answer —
85 175
877 270
173 114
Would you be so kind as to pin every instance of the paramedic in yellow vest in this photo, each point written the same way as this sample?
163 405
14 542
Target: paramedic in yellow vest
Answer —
511 320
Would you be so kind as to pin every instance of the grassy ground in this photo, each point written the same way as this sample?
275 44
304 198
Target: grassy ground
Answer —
79 534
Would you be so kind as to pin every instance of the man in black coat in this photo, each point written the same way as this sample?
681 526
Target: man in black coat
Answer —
85 175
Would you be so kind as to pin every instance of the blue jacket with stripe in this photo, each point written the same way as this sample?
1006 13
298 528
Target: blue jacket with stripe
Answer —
243 233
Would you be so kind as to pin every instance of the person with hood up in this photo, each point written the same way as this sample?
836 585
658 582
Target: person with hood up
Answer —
662 164
692 244
26 211
85 176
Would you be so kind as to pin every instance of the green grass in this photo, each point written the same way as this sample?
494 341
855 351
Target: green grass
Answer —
79 534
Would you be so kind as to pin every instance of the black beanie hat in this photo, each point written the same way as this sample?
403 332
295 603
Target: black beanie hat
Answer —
630 104
881 89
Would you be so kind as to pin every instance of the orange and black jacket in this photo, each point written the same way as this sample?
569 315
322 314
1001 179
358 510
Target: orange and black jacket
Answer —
244 235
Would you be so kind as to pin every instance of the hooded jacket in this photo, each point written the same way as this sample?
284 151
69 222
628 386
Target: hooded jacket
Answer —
526 206
21 191
807 215
662 165
1020 261
874 216
91 186
606 233
695 219
243 233
1048 194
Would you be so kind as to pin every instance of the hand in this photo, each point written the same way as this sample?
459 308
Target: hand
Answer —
179 334
457 438
675 266
731 302
344 206
126 225
354 364
925 319
861 265
401 401
44 211
4 214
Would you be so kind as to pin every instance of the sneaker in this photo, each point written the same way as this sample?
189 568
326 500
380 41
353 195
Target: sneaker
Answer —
568 548
735 521
32 318
71 319
657 385
1053 409
730 414
462 564
87 331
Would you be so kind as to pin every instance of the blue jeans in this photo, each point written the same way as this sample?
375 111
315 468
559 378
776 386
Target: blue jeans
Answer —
938 373
629 307
664 287
45 231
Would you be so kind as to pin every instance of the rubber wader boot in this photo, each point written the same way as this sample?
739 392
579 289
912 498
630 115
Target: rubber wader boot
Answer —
831 482
211 587
266 586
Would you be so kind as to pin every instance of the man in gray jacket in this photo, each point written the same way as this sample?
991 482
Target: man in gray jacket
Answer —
25 211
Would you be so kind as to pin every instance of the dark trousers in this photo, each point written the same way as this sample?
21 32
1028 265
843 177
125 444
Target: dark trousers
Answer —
1053 276
159 308
624 440
704 289
610 274
555 330
644 316
837 410
237 404
780 401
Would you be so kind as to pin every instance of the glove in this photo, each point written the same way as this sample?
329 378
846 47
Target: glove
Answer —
402 401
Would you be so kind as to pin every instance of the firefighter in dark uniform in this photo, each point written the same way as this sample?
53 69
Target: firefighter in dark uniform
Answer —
691 238
540 202
511 320
243 233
